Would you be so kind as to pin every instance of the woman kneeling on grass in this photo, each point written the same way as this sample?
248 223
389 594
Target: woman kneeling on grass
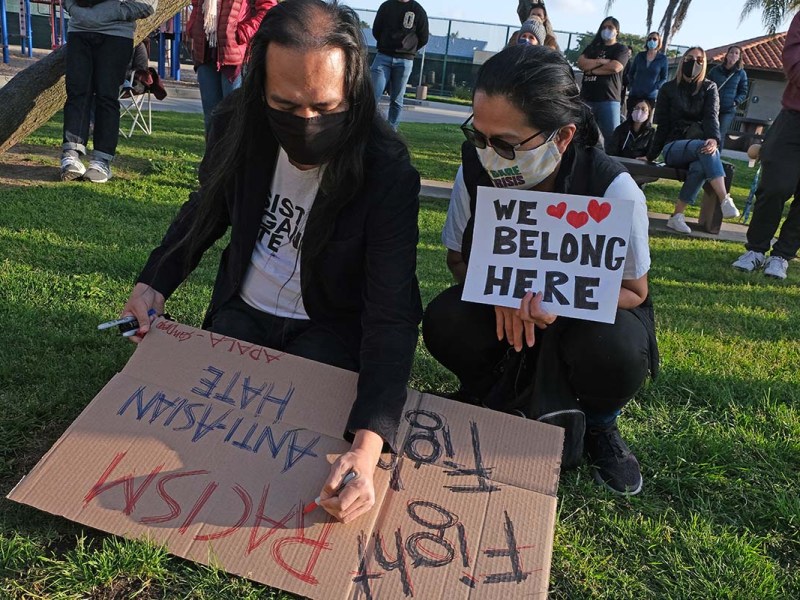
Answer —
528 116
687 120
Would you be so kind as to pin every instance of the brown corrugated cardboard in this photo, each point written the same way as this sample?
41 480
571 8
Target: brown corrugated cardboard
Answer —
212 447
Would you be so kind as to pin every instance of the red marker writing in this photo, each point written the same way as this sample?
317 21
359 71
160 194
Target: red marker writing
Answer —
345 480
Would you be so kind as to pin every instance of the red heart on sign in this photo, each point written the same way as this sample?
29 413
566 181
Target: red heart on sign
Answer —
599 211
557 210
577 219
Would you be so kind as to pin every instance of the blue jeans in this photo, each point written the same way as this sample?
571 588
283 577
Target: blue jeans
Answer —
214 86
391 73
685 154
725 120
606 114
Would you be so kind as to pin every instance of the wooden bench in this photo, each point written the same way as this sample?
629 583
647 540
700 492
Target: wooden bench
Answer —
710 218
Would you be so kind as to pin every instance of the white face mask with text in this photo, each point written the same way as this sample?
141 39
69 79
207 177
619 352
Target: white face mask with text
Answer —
527 169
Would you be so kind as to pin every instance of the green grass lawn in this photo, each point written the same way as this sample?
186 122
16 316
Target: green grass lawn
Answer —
718 433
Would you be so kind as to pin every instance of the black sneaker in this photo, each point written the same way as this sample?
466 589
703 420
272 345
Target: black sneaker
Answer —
613 464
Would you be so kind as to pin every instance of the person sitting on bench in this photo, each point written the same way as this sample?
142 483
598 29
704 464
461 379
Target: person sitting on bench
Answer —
632 139
687 116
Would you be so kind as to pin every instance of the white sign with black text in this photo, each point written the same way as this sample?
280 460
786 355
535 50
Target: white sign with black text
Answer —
570 248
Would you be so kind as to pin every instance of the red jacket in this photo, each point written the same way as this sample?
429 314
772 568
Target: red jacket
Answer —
237 22
791 65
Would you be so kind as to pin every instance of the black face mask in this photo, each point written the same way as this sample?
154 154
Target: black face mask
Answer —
307 141
691 69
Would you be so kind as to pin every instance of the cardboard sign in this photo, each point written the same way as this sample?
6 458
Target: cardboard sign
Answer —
570 248
212 447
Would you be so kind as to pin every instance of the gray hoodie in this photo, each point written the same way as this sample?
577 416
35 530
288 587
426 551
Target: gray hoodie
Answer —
112 17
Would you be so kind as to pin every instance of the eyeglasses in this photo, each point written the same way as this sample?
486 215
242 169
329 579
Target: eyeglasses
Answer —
503 148
699 61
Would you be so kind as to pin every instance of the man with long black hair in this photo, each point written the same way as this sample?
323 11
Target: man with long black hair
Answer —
311 182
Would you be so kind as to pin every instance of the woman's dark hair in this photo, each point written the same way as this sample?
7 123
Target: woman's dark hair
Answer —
300 25
540 83
598 40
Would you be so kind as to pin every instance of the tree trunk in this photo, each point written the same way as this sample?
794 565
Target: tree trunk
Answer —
37 93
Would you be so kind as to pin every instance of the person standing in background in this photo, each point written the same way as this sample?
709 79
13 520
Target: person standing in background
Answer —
401 29
220 31
99 47
527 10
602 63
780 177
532 33
625 84
648 72
732 85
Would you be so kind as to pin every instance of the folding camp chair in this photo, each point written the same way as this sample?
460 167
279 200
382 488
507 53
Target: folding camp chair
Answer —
135 103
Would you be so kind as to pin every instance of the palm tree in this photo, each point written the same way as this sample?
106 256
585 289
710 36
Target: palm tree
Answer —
674 16
774 12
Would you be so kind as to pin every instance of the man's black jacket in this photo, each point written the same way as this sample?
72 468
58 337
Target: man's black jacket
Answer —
362 286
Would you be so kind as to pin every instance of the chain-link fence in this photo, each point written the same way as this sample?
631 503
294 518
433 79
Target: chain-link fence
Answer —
456 49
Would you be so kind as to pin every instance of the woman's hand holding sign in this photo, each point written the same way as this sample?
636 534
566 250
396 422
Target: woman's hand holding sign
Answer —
518 324
510 326
532 313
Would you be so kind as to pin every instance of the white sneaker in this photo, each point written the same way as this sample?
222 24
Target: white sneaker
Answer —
750 261
678 223
99 171
776 266
71 168
729 210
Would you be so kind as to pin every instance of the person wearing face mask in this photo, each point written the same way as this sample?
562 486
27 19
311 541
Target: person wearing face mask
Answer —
532 33
321 201
602 64
687 120
648 72
528 120
527 9
732 84
632 139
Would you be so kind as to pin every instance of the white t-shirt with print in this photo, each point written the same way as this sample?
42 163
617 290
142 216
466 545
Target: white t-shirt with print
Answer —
272 283
637 260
